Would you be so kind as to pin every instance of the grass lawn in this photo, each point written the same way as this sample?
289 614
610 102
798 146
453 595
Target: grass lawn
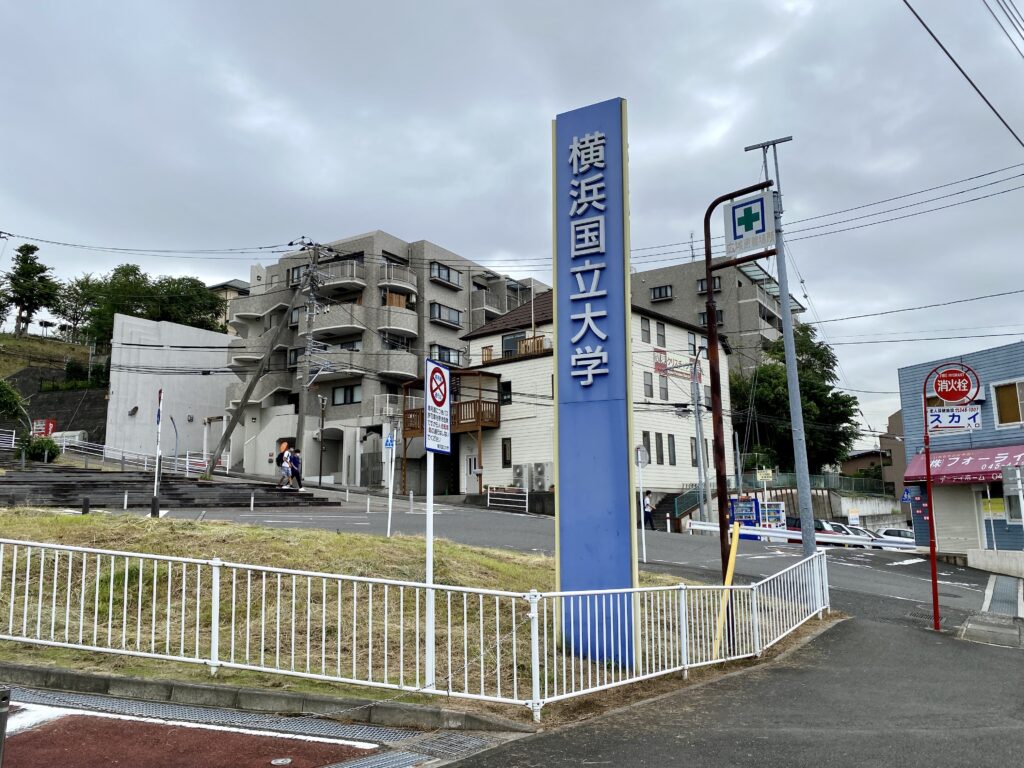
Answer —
16 353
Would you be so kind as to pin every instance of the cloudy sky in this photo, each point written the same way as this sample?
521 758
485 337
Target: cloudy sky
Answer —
196 125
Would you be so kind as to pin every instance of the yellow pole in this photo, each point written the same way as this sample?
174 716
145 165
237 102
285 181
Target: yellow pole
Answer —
730 569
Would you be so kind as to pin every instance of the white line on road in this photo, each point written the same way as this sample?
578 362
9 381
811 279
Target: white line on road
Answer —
988 594
913 560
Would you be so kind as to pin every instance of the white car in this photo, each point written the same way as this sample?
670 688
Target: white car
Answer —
897 534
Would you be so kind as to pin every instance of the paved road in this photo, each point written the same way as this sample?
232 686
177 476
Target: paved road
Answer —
865 693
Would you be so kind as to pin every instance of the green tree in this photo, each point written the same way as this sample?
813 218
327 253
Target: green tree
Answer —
762 402
127 291
12 406
32 286
5 299
187 301
73 305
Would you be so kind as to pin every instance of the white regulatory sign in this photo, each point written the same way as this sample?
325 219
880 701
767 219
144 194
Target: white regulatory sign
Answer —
750 224
437 427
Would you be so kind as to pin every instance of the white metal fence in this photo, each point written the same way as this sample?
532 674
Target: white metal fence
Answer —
191 463
518 648
516 499
6 438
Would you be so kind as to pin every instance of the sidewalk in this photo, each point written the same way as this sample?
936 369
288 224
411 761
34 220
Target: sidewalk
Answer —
1001 620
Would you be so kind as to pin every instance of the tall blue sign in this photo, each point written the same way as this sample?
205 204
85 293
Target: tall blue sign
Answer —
595 507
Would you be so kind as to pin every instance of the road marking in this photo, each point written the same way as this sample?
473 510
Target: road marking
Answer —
988 594
913 560
897 597
653 560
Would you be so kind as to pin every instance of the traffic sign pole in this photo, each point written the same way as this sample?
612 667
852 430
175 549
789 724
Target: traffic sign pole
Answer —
429 634
389 445
436 439
643 511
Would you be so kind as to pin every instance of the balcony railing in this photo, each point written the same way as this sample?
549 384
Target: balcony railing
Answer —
397 276
342 273
466 416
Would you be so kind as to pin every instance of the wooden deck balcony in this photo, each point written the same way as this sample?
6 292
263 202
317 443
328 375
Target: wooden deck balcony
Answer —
474 404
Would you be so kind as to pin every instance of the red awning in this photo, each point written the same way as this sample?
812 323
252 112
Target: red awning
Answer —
977 465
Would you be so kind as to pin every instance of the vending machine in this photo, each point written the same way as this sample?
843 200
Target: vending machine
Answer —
745 510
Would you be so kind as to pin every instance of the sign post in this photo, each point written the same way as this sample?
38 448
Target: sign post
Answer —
954 383
437 438
642 459
155 506
389 446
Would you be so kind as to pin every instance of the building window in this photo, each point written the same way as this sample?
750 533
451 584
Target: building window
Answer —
295 274
445 274
1013 510
671 450
504 392
661 293
1009 403
486 354
648 384
445 354
510 343
707 397
663 387
660 329
392 341
293 319
444 314
645 329
702 284
691 343
350 345
293 357
506 452
348 394
645 438
659 448
703 318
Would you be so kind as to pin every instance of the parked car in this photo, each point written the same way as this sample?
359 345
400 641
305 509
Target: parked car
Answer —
872 537
896 534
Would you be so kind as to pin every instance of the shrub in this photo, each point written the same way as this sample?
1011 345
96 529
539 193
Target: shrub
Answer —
40 448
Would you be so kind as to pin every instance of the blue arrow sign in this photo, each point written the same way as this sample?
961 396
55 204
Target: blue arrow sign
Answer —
905 499
389 441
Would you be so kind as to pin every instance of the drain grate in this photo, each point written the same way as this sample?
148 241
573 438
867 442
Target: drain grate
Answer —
926 616
448 744
299 726
386 760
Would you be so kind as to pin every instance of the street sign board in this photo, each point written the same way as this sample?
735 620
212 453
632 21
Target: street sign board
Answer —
750 224
437 431
1012 480
944 419
905 498
764 475
953 385
389 441
642 457
43 427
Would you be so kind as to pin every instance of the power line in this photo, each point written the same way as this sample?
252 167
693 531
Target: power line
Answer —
1005 32
962 72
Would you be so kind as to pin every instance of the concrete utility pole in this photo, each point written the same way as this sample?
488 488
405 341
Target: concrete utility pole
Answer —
312 283
703 483
256 376
796 411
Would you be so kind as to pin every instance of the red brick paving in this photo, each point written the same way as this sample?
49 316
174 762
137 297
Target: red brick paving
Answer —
82 741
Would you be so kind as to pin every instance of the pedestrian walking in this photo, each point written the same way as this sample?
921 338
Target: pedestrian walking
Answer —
296 463
284 467
648 510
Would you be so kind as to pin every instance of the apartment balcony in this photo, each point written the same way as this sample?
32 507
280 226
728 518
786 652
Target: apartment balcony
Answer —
248 309
533 345
397 278
245 352
283 381
393 406
490 302
349 363
342 275
396 320
474 408
338 320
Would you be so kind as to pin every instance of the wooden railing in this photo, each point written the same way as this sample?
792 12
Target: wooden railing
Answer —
466 415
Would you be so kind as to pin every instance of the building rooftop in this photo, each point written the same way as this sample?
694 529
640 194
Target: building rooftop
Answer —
239 285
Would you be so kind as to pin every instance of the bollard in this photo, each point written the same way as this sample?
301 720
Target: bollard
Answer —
5 705
154 507
668 524
125 500
410 502
252 500
346 495
122 461
367 503
22 458
85 505
87 461
46 457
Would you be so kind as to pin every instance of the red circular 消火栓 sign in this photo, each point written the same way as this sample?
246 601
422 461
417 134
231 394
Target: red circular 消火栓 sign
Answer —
953 385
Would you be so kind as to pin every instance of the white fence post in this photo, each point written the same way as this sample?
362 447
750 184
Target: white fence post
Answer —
215 617
535 702
755 621
684 632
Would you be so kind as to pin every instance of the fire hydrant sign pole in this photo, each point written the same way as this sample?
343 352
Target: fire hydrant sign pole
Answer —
953 383
437 438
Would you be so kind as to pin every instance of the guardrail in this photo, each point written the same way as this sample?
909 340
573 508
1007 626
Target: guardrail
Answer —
792 535
192 463
516 499
517 648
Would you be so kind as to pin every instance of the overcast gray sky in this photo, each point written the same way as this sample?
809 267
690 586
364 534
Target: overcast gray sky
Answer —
187 124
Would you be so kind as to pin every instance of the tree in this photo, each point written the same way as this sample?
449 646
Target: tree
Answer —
12 406
32 287
5 299
762 402
187 301
125 291
74 304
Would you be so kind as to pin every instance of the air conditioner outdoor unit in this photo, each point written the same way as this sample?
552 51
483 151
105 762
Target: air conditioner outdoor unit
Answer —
521 475
539 478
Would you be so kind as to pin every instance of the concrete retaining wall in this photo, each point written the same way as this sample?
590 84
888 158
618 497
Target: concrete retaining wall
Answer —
1007 563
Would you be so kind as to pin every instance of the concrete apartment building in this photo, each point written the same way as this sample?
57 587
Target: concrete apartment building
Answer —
229 291
382 306
747 297
506 435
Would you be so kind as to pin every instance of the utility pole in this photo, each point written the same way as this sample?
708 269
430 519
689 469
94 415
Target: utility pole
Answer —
703 484
256 376
796 411
312 282
320 467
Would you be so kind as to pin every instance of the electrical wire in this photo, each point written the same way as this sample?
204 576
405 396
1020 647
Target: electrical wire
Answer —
1005 31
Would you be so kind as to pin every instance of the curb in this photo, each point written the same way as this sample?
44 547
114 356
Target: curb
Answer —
415 716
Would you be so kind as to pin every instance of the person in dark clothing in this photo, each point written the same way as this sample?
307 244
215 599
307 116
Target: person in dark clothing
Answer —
648 510
296 462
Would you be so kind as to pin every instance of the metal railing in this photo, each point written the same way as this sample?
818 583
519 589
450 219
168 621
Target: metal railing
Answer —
7 438
516 499
191 463
511 647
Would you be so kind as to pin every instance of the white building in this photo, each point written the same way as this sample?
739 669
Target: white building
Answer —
188 365
517 347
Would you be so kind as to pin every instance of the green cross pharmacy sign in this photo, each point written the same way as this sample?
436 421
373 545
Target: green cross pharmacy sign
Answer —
750 224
